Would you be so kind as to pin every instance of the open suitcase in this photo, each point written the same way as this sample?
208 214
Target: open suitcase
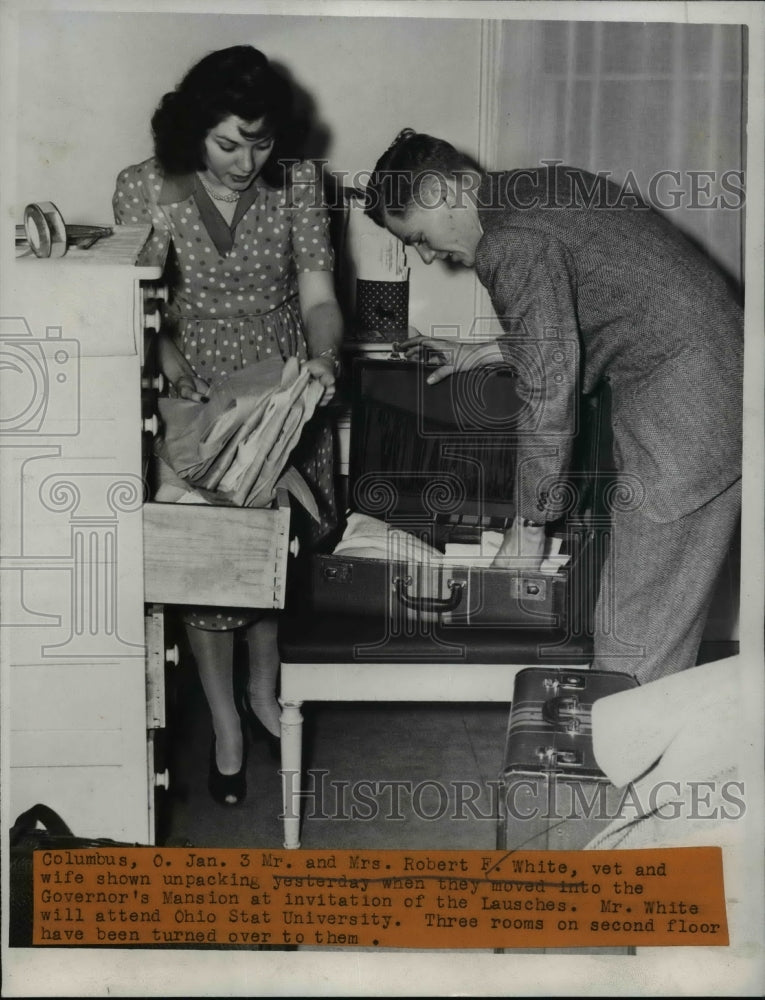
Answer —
439 463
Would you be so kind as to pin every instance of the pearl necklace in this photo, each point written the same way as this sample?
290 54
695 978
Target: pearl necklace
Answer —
230 197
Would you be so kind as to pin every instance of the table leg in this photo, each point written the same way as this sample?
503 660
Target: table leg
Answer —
292 751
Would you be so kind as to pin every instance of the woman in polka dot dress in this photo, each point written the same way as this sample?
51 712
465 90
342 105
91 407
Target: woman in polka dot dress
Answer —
249 233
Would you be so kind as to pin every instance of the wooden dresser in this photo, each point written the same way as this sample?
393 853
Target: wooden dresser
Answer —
86 564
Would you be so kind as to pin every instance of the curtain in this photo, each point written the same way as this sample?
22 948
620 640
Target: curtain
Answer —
659 107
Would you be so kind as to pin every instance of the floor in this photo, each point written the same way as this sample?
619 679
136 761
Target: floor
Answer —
376 775
412 776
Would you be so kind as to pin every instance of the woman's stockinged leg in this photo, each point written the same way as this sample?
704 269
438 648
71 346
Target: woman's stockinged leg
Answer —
214 655
264 669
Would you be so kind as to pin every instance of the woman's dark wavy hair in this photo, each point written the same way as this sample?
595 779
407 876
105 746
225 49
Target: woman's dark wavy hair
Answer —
411 157
235 81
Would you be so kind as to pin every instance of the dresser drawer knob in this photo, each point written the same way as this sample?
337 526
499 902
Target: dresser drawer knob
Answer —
152 321
156 382
151 425
162 779
172 656
159 292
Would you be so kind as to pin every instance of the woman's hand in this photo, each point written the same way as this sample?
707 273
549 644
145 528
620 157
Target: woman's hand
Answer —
323 370
452 355
191 387
184 384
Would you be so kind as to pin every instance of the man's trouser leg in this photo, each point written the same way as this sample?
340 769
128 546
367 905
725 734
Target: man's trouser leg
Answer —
656 587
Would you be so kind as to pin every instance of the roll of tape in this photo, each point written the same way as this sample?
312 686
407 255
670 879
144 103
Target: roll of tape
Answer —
45 229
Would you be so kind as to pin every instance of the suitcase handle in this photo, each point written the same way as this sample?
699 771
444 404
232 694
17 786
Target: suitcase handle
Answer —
439 604
567 713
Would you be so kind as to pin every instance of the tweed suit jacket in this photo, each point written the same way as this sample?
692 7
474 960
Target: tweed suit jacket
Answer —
589 283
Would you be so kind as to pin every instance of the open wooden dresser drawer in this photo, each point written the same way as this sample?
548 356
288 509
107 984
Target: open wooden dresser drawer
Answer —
223 556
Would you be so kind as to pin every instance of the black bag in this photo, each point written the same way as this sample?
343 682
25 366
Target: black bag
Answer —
382 309
25 838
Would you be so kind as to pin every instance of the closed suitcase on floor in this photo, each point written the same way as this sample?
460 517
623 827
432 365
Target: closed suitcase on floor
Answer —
439 462
553 795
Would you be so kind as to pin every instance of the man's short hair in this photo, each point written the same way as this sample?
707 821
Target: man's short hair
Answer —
411 159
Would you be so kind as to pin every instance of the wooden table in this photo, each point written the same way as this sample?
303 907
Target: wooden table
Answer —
340 660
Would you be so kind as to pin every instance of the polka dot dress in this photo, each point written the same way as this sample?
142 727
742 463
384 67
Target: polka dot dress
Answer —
236 299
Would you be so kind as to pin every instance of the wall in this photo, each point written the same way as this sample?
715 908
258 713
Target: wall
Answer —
84 112
637 99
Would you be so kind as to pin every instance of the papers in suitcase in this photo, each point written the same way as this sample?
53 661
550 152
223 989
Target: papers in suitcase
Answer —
233 450
459 583
431 477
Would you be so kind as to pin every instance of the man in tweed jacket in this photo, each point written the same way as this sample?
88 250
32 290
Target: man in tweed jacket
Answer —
589 284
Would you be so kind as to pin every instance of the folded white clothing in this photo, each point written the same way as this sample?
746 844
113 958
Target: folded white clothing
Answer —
467 554
552 564
368 537
371 538
170 493
667 739
634 729
553 546
481 554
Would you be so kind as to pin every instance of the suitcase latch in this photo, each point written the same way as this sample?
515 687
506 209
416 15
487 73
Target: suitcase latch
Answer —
528 588
338 572
569 681
559 758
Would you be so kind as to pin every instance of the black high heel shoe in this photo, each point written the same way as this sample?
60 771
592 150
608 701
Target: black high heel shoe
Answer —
227 789
260 734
